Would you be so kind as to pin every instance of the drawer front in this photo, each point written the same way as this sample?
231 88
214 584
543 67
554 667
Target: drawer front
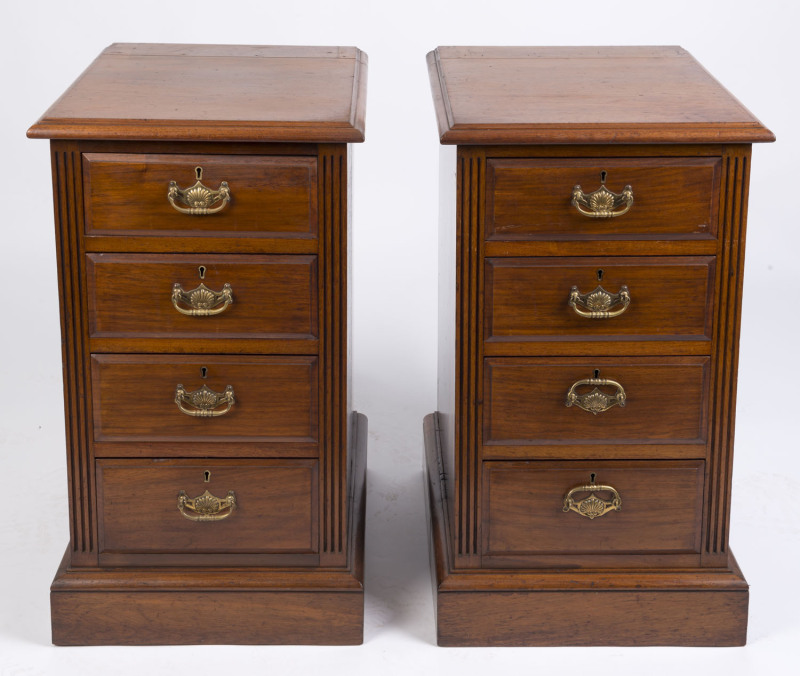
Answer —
274 507
132 296
665 401
270 196
673 198
275 399
527 299
660 508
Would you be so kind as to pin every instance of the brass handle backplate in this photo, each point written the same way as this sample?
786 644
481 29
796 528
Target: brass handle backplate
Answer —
596 401
205 402
198 199
598 304
591 506
202 301
602 203
206 507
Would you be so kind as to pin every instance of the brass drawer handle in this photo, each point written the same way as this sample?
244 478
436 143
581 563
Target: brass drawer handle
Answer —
198 198
602 203
592 506
206 507
598 303
596 401
205 401
202 301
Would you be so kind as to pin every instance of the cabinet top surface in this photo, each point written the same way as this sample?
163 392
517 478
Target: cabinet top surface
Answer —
519 95
214 92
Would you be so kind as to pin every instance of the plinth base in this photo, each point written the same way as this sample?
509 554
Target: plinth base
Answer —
575 607
143 606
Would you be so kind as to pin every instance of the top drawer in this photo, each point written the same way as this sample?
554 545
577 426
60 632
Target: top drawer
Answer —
673 198
270 196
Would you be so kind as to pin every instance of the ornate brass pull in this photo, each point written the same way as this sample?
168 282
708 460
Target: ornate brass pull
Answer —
205 401
596 401
591 506
206 507
202 301
198 198
602 203
598 303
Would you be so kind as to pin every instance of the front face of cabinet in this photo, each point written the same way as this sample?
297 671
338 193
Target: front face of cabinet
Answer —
203 293
596 331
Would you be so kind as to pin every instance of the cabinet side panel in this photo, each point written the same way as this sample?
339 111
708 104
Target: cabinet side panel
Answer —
333 355
446 385
67 189
733 220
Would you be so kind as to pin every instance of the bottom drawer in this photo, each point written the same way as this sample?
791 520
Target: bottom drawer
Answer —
173 512
547 514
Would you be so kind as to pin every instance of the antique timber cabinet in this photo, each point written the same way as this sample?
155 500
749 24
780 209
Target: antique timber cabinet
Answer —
591 255
216 469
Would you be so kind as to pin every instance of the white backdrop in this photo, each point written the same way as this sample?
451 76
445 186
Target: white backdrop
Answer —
750 47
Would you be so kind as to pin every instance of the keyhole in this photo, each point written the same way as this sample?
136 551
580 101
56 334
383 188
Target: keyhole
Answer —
597 373
591 480
203 372
202 271
198 171
207 476
603 175
599 275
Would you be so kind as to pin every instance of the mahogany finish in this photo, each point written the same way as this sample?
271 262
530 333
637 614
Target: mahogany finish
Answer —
160 605
125 194
523 512
671 297
571 606
274 297
529 199
666 402
530 95
249 93
275 510
276 398
504 450
273 124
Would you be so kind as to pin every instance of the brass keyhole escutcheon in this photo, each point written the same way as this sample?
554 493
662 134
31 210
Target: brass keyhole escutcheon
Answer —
207 476
202 271
203 372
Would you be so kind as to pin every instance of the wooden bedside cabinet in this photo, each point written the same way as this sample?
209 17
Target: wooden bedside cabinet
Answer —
591 257
216 469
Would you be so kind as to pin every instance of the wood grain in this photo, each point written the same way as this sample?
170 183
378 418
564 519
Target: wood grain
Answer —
570 606
276 511
733 208
335 330
271 196
273 123
660 513
68 207
526 298
667 401
258 617
674 198
515 95
593 618
277 605
130 296
276 398
219 93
